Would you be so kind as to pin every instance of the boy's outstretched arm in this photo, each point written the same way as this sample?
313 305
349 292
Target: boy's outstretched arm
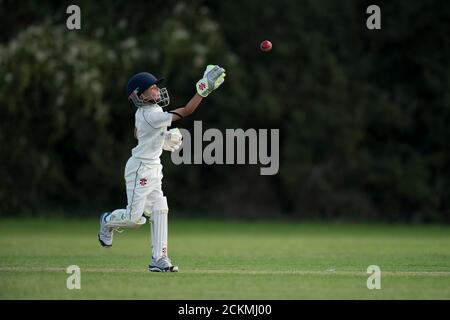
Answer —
190 107
213 77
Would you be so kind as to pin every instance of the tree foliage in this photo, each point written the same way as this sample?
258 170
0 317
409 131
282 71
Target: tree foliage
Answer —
364 115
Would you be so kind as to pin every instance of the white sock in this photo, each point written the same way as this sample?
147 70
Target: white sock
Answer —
159 234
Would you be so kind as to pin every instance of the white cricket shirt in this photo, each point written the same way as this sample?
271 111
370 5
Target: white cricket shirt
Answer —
151 123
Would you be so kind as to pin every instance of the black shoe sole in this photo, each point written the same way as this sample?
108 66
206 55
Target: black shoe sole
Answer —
156 269
104 245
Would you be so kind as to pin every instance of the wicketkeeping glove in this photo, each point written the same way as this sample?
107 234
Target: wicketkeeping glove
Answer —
172 140
213 77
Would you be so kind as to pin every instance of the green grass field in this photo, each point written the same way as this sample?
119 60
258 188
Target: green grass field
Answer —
226 260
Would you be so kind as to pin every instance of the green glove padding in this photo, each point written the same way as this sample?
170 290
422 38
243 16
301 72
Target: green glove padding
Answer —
213 77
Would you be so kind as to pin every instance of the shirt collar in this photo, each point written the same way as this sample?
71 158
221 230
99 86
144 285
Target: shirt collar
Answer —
149 106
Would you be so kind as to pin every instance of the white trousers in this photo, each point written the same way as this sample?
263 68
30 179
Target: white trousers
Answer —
145 197
144 193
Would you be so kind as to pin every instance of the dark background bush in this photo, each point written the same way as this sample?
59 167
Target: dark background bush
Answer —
363 115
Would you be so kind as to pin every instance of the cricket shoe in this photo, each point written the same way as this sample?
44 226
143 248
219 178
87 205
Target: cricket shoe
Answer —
163 264
105 235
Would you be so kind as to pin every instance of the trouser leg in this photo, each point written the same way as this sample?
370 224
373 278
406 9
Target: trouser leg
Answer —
140 182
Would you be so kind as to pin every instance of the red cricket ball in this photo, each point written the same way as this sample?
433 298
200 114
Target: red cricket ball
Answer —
266 46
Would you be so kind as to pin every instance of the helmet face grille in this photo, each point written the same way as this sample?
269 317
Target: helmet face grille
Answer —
164 99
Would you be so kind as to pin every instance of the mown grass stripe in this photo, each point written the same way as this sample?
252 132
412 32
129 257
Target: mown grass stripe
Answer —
231 271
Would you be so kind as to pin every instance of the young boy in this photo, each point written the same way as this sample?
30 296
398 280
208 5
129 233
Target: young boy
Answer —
143 171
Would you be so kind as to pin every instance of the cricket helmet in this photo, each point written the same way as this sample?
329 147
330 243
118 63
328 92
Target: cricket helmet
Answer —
140 82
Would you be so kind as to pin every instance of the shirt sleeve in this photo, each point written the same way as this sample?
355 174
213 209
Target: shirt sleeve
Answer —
158 119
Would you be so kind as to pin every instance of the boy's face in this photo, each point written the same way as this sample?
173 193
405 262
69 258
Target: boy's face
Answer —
152 94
